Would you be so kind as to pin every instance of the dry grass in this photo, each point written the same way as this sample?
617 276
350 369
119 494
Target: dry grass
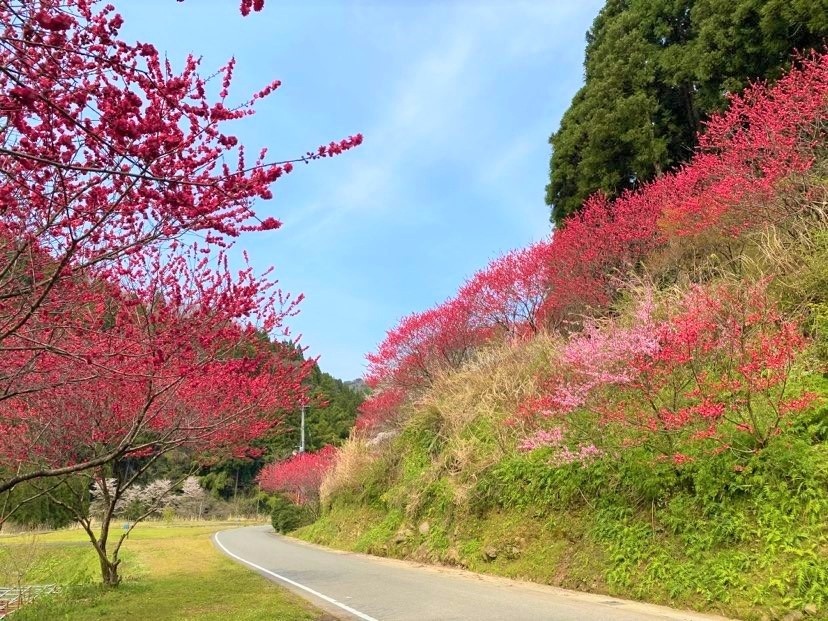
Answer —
493 384
466 409
490 389
352 460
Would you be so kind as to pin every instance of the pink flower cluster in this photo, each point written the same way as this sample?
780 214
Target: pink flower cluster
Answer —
583 454
541 439
554 438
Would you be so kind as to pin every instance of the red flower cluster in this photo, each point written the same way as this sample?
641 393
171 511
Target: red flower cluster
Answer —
768 136
299 476
172 358
381 408
248 5
335 148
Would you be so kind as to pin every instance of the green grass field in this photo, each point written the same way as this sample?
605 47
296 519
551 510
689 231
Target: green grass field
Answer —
171 571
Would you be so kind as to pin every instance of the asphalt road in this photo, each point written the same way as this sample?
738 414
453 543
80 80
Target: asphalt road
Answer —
357 586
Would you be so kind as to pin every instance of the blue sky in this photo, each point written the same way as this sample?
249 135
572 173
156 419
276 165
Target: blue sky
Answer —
456 100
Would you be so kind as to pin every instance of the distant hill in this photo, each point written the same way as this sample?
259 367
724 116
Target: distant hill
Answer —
357 385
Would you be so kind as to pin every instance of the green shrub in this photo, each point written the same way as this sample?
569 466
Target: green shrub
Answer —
34 509
286 516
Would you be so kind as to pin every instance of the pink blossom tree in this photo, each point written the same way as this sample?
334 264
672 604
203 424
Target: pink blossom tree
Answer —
715 369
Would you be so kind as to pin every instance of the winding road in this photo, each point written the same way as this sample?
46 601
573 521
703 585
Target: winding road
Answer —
357 586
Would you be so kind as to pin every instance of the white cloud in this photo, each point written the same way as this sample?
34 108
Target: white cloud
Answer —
437 109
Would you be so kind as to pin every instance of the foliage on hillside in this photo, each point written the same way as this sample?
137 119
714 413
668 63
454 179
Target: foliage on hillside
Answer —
654 71
650 418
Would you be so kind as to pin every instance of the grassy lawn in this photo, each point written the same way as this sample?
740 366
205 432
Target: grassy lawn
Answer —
171 571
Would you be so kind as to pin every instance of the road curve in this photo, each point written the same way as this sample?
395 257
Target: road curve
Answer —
367 588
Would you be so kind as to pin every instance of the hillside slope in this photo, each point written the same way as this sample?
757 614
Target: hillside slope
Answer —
638 407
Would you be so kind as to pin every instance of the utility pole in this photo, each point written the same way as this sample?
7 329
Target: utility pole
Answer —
302 432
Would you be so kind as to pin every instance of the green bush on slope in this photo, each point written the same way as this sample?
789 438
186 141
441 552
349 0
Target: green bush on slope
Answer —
286 516
706 535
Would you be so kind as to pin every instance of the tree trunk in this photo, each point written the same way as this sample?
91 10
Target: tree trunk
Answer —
109 570
109 567
691 113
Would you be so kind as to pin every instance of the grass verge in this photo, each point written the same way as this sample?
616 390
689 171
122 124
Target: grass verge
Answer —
170 572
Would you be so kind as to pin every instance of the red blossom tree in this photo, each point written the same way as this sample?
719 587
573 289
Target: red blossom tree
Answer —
121 337
424 344
510 291
109 160
379 409
178 358
299 477
769 137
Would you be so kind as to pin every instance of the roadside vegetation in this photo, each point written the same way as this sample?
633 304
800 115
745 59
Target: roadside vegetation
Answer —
173 572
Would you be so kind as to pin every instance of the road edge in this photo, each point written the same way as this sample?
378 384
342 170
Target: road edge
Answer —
678 614
296 585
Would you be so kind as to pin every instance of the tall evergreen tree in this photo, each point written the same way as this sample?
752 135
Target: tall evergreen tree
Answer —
654 70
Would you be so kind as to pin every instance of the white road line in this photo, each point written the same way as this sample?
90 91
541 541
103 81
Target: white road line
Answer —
330 600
